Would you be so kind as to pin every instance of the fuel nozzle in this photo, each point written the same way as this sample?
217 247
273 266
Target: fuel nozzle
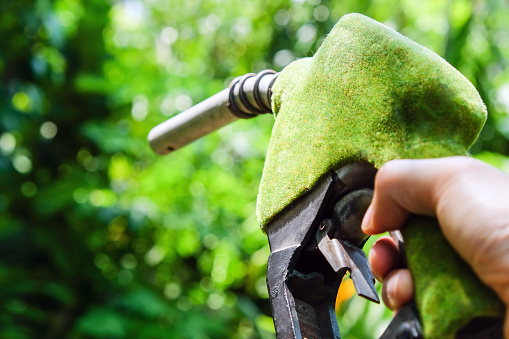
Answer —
245 98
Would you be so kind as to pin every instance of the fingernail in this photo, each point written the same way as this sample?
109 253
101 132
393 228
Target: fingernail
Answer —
367 224
405 286
390 298
400 289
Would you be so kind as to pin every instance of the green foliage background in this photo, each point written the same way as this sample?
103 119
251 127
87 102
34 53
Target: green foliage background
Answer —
99 237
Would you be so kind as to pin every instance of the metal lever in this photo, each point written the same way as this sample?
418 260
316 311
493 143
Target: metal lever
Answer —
302 283
405 325
342 256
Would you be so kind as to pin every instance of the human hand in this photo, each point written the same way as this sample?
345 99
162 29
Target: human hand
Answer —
471 202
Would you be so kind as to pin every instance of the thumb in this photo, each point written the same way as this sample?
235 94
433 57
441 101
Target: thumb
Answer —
403 187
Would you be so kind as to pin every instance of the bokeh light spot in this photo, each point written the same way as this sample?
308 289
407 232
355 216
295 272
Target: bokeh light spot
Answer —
80 195
124 277
7 143
321 13
155 255
101 260
22 163
282 17
167 107
209 24
21 101
184 304
241 28
215 301
183 102
97 198
169 35
210 241
306 33
84 157
503 96
172 291
29 189
140 108
283 57
48 130
129 261
102 198
66 19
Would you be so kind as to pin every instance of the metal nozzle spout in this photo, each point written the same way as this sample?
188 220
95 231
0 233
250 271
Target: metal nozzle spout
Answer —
247 97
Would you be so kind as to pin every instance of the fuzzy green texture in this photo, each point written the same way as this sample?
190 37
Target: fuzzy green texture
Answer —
372 94
369 93
448 288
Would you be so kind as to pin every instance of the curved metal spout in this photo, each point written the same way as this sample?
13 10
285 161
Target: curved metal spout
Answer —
246 97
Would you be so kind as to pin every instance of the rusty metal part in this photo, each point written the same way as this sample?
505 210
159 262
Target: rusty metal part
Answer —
405 325
315 240
247 97
344 256
313 243
301 281
348 214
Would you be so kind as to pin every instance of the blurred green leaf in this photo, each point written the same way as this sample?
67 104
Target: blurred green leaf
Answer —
102 323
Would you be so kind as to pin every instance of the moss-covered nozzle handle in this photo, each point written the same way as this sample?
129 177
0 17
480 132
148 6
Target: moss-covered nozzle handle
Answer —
370 94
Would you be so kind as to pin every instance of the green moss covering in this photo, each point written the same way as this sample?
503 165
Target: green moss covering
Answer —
450 295
370 94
